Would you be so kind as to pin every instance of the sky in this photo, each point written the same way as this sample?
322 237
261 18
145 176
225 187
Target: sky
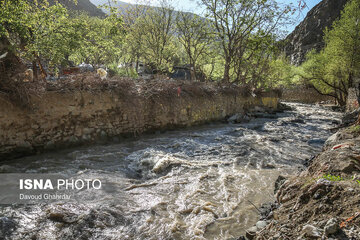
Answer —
192 6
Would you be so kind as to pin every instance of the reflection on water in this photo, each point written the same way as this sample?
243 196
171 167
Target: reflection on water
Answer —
190 184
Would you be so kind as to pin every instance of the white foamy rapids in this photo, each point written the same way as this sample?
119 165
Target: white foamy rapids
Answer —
199 183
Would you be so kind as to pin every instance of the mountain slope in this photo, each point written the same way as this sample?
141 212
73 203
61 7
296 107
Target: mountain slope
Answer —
82 5
118 4
309 33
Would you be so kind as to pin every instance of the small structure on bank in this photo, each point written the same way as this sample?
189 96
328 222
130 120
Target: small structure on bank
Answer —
182 73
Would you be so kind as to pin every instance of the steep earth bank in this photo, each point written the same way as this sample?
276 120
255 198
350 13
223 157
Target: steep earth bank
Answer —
321 202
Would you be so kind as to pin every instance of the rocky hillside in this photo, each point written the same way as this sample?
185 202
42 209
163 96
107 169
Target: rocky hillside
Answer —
118 4
106 2
308 34
82 5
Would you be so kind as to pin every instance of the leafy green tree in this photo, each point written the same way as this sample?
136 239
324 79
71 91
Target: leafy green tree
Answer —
281 73
196 36
157 31
34 29
343 43
252 65
101 39
16 18
54 36
238 23
213 63
132 49
152 37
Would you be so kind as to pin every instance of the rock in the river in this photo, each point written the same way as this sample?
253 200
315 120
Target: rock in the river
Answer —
311 231
235 118
261 224
350 117
297 120
251 233
238 118
165 163
316 141
331 227
279 181
258 109
283 107
333 139
266 210
63 214
7 226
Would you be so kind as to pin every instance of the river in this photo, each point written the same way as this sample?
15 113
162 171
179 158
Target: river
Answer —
196 183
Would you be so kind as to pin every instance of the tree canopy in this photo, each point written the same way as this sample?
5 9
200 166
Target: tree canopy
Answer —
235 42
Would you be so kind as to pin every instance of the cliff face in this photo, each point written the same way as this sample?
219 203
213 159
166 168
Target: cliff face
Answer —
309 33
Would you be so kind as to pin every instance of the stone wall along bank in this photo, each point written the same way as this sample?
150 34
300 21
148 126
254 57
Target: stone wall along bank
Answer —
61 120
303 94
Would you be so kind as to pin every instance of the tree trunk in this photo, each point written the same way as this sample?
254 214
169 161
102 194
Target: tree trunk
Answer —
226 77
10 63
341 97
35 70
137 64
193 72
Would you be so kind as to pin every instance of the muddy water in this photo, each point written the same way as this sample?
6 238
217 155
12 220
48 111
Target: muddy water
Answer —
189 184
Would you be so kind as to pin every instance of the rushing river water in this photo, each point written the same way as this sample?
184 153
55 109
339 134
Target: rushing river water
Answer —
189 184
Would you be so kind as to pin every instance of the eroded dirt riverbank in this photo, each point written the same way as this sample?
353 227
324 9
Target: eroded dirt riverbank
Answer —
322 202
199 183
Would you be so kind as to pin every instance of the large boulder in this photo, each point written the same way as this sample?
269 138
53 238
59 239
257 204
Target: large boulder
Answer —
238 118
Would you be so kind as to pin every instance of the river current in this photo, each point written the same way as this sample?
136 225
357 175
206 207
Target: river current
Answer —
196 183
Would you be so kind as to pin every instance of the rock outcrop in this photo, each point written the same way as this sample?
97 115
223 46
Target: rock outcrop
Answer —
309 33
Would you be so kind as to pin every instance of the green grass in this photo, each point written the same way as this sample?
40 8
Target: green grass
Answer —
332 178
354 129
122 72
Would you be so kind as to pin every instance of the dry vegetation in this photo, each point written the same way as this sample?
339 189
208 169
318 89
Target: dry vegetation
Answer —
20 91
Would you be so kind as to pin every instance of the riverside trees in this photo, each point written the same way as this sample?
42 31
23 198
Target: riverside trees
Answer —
234 39
332 70
245 29
34 31
197 38
234 42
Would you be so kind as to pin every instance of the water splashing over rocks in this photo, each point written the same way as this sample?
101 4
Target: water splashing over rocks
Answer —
198 183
